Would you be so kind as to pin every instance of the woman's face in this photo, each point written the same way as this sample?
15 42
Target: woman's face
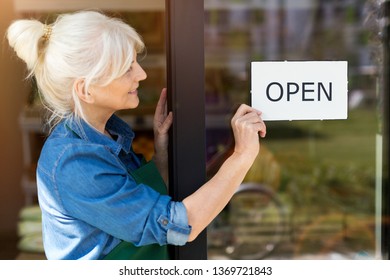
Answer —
121 93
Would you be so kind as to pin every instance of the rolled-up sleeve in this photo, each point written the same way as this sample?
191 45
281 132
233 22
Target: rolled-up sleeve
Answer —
177 226
103 194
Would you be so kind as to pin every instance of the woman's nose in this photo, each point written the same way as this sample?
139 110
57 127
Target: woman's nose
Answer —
141 74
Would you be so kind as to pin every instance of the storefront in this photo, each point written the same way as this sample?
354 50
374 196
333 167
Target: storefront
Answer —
319 189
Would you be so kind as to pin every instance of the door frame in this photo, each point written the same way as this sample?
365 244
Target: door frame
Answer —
186 99
385 14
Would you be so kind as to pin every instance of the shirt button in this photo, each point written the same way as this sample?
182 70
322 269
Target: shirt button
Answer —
164 222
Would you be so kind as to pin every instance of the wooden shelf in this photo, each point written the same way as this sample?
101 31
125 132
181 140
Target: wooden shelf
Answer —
23 6
255 4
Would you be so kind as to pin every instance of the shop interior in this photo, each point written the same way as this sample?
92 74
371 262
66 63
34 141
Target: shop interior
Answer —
315 190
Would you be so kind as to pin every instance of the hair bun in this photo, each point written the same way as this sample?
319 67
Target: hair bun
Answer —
24 36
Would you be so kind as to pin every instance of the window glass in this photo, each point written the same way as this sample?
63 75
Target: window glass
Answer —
314 190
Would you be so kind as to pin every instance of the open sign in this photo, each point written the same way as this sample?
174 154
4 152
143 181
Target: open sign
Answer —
304 90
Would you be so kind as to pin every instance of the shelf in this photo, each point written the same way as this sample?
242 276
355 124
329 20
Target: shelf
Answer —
30 119
145 5
256 4
29 186
137 122
63 5
155 61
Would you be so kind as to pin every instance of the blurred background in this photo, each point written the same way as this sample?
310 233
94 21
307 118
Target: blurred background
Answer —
314 193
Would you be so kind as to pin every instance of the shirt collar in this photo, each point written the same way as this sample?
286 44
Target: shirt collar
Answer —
115 126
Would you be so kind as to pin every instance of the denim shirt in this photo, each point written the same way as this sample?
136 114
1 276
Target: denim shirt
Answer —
89 200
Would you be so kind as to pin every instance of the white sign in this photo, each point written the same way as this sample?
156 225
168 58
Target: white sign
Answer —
304 90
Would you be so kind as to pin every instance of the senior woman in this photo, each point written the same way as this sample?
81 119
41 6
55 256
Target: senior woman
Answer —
99 199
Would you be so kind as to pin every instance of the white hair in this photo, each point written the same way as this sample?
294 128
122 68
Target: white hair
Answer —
82 45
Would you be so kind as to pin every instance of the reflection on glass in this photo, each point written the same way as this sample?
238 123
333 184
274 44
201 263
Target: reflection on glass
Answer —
321 172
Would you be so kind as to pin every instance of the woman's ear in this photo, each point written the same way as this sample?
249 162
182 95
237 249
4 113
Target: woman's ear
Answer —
79 87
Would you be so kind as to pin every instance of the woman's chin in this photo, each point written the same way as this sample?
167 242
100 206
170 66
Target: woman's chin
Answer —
134 105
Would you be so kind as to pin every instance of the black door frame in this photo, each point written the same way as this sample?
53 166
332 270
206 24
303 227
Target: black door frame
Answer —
186 98
385 14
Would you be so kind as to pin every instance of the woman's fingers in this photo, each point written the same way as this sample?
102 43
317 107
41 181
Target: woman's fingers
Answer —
245 109
164 127
162 120
162 123
261 128
161 108
250 118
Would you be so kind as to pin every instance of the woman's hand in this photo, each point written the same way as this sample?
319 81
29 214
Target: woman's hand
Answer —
247 125
161 123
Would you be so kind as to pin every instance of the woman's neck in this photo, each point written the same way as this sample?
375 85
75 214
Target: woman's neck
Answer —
97 119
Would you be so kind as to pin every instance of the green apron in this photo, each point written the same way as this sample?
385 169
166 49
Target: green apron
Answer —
148 175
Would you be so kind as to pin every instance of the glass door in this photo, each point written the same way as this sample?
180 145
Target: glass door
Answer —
316 189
